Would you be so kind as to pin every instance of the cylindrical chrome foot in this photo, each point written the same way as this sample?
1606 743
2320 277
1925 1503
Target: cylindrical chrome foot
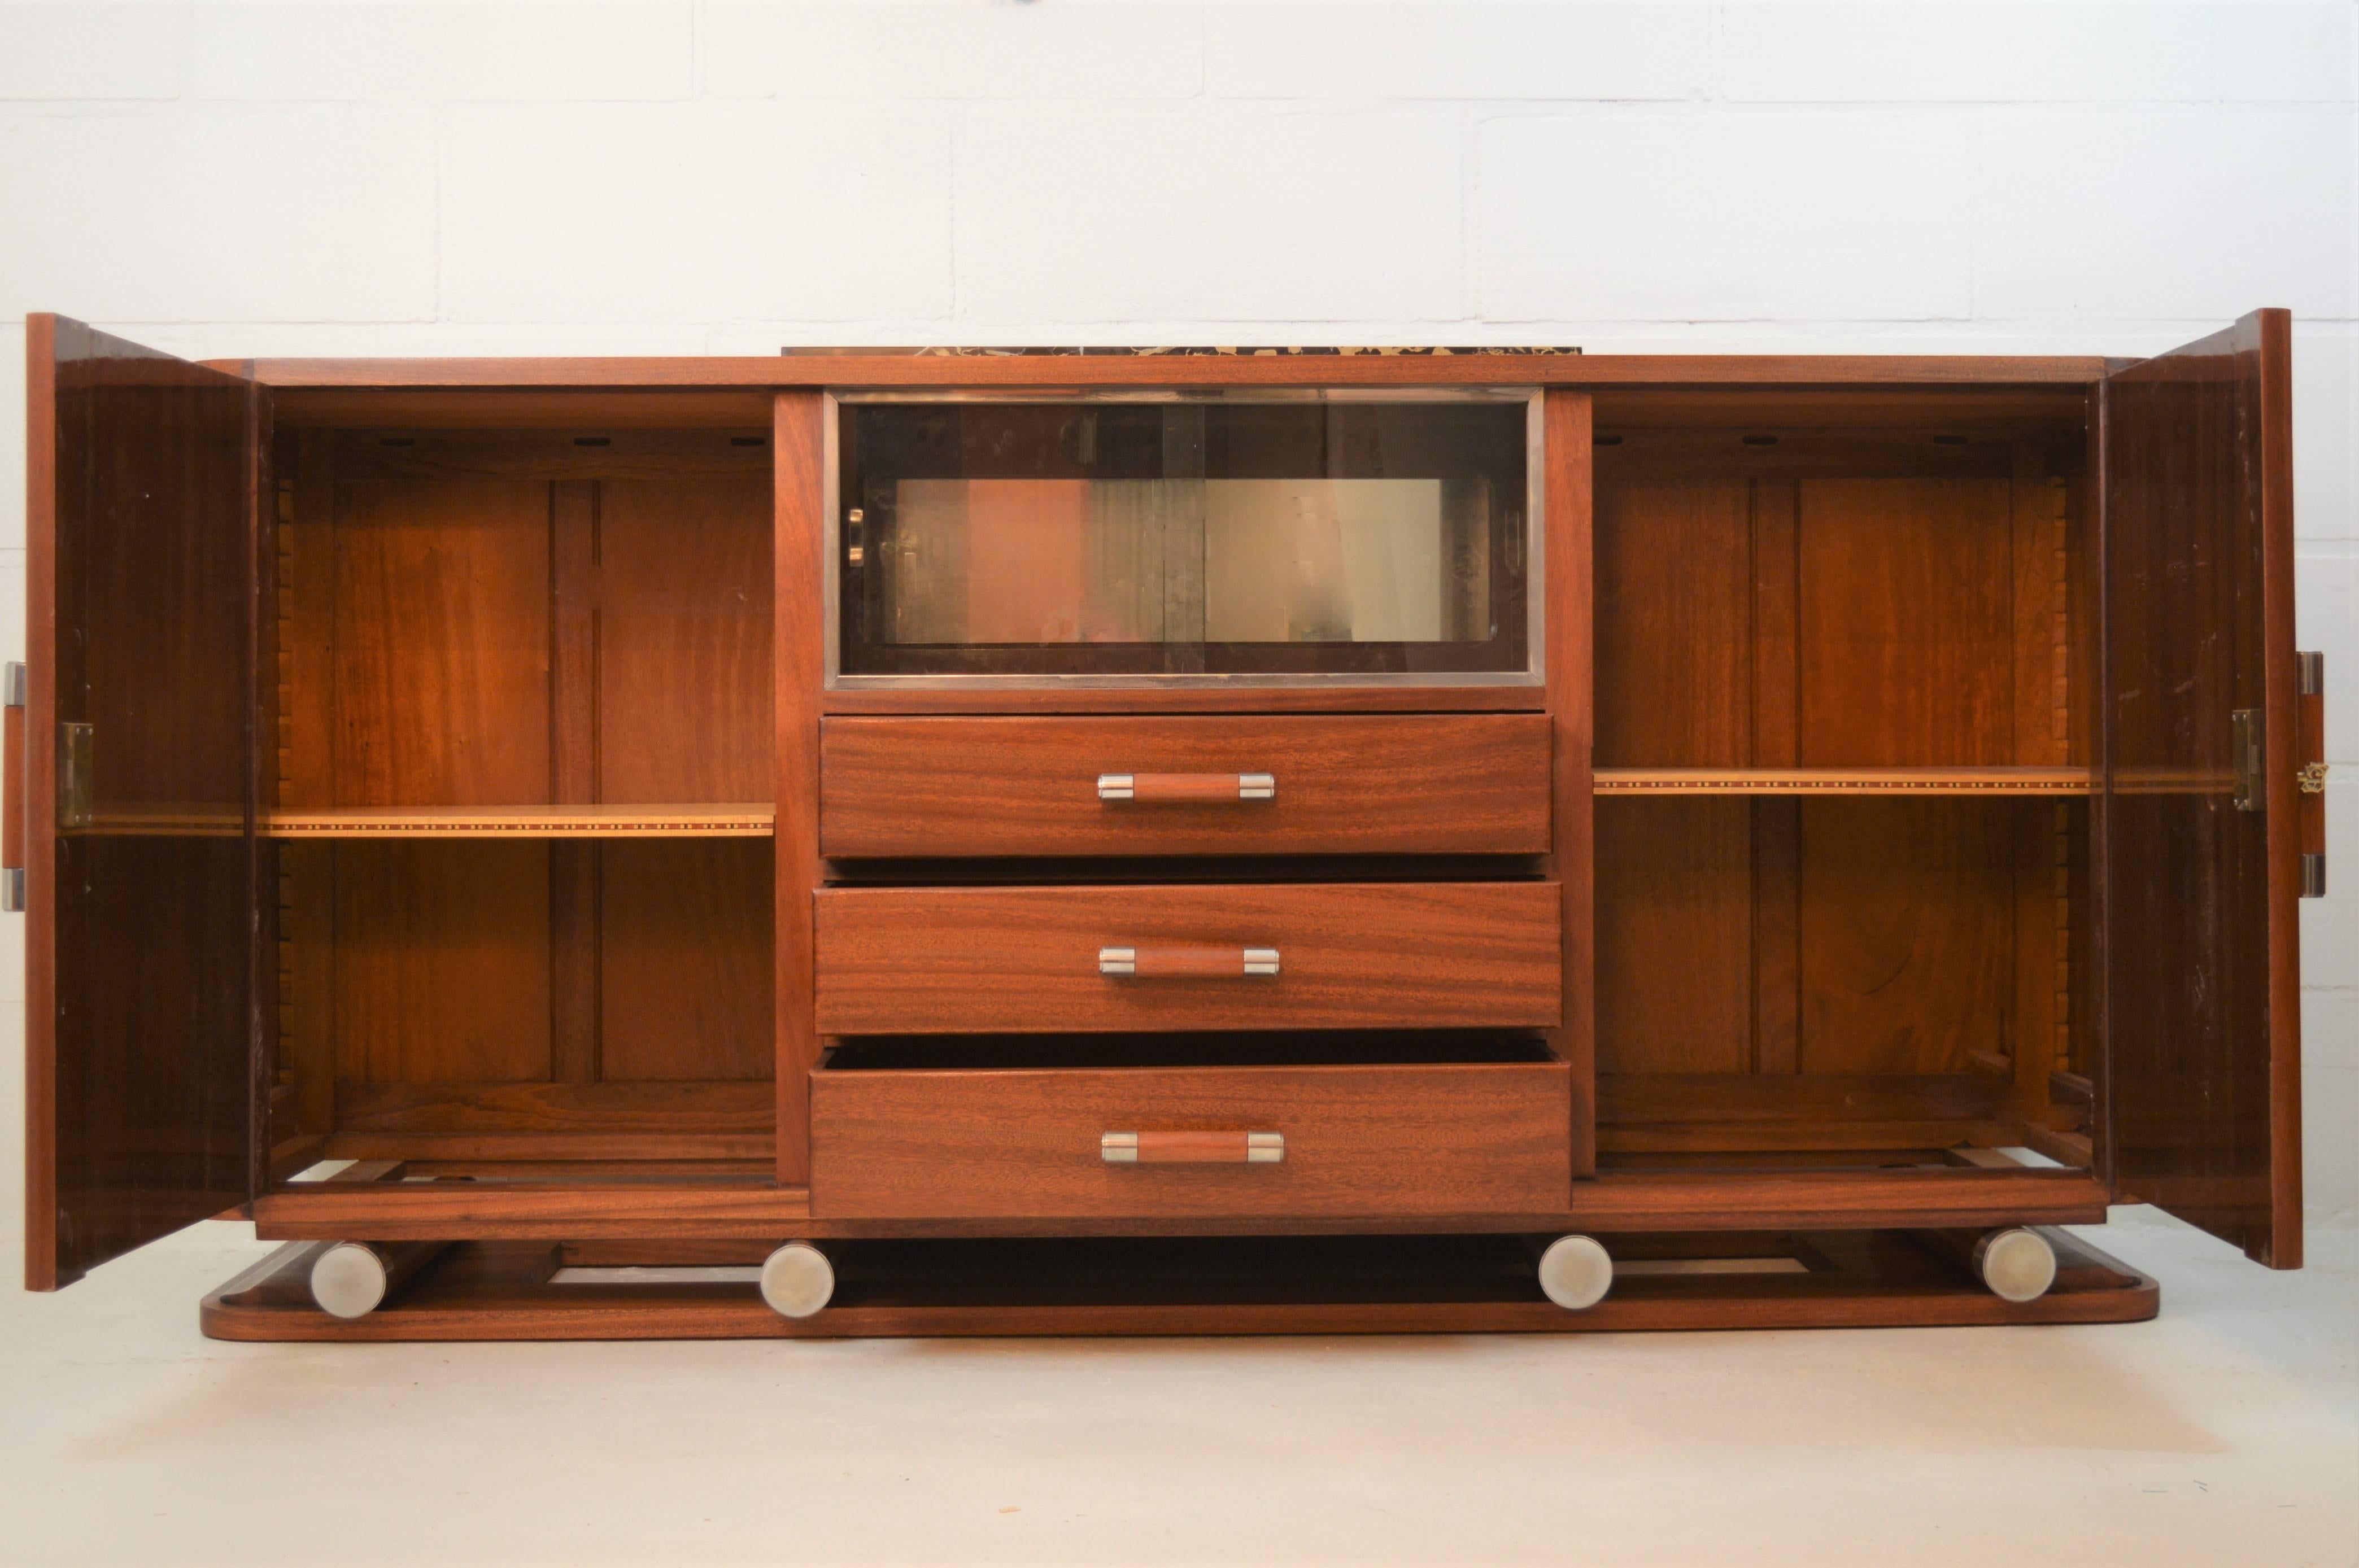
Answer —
798 1280
2018 1265
352 1279
1576 1272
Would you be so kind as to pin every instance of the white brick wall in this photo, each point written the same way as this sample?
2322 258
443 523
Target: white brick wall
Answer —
221 178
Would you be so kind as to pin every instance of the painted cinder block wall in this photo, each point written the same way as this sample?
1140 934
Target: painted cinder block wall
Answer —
320 178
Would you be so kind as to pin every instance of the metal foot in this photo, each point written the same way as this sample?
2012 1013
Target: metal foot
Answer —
1575 1273
2018 1265
798 1280
349 1279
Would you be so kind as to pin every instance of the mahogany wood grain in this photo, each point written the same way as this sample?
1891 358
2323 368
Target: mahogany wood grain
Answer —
814 371
2202 1006
1161 702
1359 784
1570 549
1906 630
684 625
686 961
1674 632
140 576
519 1154
1620 1201
441 641
446 1106
375 408
665 820
1777 933
1908 939
430 1211
1922 411
1731 1100
442 961
799 554
1392 1140
1013 959
1674 934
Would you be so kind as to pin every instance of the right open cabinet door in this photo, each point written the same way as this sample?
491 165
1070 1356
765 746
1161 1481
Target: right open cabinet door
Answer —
2198 834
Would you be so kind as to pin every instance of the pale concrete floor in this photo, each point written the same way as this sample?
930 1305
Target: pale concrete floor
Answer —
2225 1432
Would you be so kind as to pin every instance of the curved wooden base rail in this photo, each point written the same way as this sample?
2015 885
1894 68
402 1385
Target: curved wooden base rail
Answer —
1185 789
1185 963
1193 1148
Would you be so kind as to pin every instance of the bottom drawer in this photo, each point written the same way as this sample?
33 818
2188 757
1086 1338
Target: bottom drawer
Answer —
1460 1136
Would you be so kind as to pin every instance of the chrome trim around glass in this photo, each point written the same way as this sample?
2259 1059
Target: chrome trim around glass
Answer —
1534 674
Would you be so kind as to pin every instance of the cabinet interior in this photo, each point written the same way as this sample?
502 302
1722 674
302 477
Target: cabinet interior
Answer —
560 605
523 602
1833 631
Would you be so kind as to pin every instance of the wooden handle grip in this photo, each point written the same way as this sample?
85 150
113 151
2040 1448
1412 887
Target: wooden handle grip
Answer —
2309 803
1186 789
1193 1148
1186 963
12 792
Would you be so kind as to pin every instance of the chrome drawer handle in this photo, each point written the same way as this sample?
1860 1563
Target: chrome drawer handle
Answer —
1186 789
1193 1148
1185 963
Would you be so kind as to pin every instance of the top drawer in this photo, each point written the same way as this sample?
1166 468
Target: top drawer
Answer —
1409 784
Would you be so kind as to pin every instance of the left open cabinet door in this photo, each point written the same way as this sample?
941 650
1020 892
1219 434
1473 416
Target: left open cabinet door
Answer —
139 835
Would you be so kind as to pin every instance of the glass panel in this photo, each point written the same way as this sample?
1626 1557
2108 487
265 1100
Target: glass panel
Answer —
1169 538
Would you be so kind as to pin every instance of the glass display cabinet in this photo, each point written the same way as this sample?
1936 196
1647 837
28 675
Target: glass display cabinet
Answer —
1327 536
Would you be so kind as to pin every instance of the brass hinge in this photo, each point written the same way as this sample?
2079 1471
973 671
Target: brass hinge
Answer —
2313 778
2247 755
76 770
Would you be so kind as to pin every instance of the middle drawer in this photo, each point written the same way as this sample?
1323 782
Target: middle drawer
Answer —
1284 955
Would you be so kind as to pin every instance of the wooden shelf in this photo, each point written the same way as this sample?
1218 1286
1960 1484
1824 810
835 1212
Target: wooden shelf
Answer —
1843 781
730 821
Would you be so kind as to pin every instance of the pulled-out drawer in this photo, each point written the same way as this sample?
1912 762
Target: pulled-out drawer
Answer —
1249 784
1395 1139
1300 955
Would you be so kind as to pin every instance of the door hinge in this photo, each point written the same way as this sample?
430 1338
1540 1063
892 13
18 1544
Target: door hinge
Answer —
76 769
2248 755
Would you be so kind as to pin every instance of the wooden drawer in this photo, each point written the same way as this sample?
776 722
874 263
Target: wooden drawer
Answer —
1347 956
1419 1139
1413 783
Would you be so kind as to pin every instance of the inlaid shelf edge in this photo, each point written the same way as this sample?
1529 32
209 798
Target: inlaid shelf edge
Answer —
1843 781
725 821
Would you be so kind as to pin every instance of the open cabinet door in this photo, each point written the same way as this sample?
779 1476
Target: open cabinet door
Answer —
2200 835
139 888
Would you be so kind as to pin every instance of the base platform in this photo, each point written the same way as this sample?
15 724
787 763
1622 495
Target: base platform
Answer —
1432 1284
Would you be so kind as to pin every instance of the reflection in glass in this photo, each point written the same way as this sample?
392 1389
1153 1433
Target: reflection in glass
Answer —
1175 538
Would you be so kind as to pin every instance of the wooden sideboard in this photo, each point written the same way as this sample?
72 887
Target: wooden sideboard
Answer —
1020 842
